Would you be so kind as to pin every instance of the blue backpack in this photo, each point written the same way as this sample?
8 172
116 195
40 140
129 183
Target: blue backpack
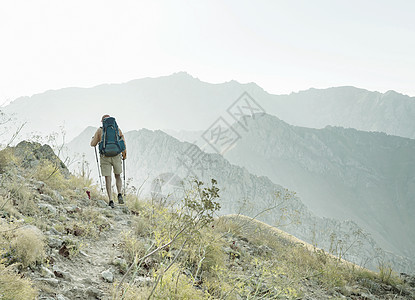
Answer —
111 143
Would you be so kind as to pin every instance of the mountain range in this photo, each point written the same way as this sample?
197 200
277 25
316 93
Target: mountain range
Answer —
367 177
182 102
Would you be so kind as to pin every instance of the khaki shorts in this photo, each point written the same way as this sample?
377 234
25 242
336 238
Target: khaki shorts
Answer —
108 162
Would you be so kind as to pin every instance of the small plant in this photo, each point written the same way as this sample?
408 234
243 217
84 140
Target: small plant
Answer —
51 175
7 159
132 247
70 248
6 207
174 284
173 229
205 252
13 286
386 274
141 226
27 244
59 227
136 205
18 197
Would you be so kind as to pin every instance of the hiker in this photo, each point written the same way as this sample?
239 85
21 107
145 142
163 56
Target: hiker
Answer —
112 149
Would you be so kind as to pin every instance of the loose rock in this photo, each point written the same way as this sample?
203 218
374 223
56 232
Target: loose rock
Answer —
46 198
54 242
93 292
47 207
107 276
47 273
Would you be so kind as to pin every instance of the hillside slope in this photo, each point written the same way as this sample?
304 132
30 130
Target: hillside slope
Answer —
66 245
157 163
339 173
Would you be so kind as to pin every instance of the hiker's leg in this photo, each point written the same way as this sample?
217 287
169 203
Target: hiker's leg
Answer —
118 182
117 172
106 172
108 186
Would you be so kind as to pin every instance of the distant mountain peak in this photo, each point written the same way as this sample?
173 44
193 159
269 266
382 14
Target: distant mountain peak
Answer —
183 75
392 93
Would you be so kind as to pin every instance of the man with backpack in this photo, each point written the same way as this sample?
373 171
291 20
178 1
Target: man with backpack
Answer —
112 149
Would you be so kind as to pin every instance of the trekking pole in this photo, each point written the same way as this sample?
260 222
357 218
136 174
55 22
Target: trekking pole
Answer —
123 164
99 172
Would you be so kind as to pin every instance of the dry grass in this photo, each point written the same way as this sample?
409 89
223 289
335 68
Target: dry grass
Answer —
297 258
28 245
13 287
132 247
174 285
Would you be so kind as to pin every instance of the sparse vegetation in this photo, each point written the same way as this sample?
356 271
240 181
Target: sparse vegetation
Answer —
27 245
180 251
12 286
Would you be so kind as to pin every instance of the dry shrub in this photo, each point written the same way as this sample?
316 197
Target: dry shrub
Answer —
204 252
7 208
141 226
16 193
51 175
7 159
12 286
174 284
135 204
132 247
28 245
226 224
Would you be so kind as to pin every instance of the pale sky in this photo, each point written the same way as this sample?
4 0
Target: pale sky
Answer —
283 46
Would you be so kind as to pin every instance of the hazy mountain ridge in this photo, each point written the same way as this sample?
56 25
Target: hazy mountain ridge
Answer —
182 102
178 101
340 173
348 107
154 155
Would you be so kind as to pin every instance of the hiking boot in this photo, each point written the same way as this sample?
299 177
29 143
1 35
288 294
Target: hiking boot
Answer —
120 199
111 204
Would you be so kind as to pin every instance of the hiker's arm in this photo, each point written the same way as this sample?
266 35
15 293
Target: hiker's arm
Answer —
96 138
124 153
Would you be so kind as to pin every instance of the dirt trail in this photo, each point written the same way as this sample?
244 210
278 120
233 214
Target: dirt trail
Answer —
81 277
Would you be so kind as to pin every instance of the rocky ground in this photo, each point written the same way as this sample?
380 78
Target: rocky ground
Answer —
90 274
99 262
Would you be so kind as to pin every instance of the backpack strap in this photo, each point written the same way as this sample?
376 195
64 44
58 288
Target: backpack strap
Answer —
104 135
117 132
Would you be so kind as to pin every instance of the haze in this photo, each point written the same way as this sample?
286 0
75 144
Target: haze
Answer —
283 46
